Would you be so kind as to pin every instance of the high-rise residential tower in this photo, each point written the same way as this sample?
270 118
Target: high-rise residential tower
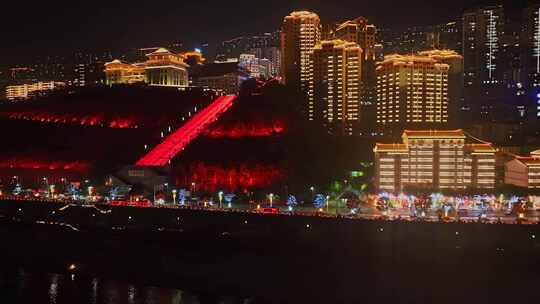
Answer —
413 90
483 30
455 80
531 45
336 86
364 34
301 31
530 58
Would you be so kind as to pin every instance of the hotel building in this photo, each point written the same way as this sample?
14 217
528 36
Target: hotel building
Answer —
435 160
523 171
412 90
335 89
301 31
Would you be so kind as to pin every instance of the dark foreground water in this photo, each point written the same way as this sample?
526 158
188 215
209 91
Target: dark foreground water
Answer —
19 286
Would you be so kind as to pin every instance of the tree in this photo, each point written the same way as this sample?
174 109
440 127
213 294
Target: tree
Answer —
291 201
228 198
113 193
17 190
319 201
182 194
74 190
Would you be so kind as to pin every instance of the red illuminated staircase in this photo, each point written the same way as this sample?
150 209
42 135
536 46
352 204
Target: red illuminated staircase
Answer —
176 142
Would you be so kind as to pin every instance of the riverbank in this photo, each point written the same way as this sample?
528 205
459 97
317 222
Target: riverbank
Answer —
281 258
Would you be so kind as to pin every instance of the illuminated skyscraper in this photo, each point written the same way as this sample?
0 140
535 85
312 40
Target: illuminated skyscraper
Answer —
531 56
482 32
334 92
361 32
301 31
531 44
455 80
435 160
412 90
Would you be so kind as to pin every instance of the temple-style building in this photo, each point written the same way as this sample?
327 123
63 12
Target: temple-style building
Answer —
162 68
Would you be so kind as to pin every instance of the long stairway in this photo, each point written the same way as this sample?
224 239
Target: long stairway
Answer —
176 142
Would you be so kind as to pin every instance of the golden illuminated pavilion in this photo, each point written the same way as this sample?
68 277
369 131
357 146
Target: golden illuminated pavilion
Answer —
162 68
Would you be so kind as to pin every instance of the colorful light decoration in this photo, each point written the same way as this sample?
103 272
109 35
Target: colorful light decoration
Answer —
182 195
319 202
291 202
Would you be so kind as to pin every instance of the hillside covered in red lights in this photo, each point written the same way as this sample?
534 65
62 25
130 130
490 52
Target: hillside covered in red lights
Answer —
110 107
259 144
90 132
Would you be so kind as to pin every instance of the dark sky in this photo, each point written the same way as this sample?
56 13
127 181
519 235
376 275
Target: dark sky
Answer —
60 26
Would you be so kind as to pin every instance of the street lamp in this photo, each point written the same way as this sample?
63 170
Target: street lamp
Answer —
327 202
174 196
271 198
90 191
220 196
46 181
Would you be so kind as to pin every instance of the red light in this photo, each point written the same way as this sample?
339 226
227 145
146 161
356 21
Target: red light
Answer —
44 164
242 130
243 176
178 140
88 120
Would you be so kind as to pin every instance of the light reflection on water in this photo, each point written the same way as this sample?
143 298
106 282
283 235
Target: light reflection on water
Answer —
39 288
53 289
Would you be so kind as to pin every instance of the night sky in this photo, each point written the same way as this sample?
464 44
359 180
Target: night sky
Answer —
61 27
